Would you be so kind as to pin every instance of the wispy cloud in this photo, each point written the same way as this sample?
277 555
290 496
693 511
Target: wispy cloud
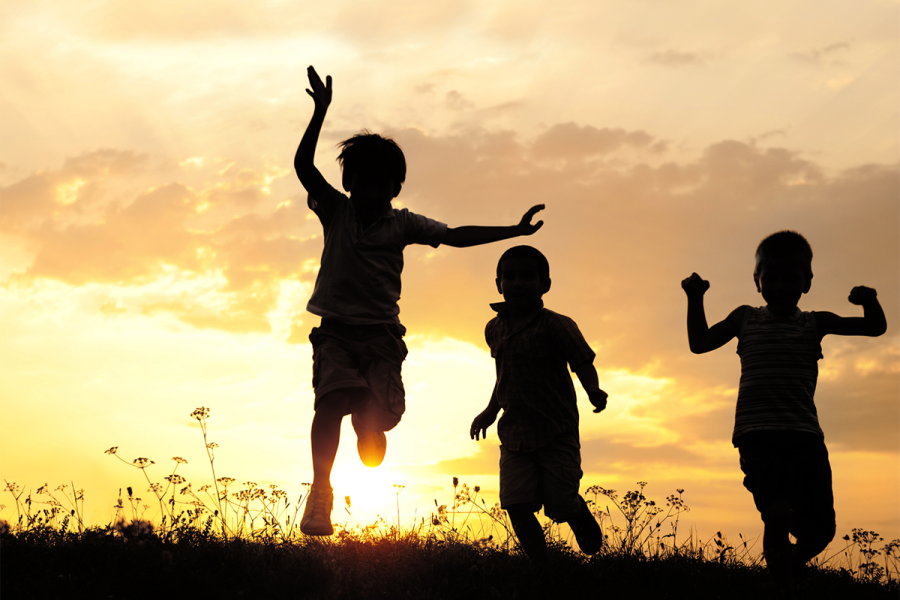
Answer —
831 55
677 59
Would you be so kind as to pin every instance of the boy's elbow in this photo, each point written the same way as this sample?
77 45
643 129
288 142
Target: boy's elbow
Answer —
697 348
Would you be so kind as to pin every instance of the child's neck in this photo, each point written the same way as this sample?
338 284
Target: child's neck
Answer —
783 312
516 314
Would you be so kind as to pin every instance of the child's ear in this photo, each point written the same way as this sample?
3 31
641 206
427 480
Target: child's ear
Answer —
397 191
756 281
545 287
807 284
346 181
499 289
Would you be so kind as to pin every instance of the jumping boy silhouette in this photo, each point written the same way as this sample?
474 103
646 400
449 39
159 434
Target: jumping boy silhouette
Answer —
358 349
776 430
540 452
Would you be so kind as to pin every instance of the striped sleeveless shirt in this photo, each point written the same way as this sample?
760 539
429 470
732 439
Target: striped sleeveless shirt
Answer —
779 369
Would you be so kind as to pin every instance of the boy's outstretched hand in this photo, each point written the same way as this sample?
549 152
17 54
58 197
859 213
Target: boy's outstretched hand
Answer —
320 92
525 224
481 423
694 285
862 295
598 399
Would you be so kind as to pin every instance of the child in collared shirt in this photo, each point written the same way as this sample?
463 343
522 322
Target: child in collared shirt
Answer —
358 348
540 452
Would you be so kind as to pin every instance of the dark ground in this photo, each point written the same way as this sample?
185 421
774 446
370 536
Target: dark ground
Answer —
100 565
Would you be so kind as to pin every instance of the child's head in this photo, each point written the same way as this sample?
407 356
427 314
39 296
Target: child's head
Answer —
370 159
783 270
523 275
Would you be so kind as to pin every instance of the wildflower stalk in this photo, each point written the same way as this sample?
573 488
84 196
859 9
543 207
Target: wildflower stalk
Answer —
201 414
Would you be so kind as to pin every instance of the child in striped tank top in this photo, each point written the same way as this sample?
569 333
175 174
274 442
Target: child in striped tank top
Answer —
777 433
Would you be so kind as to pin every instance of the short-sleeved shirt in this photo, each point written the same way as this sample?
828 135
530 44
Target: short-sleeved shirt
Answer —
534 387
359 278
779 369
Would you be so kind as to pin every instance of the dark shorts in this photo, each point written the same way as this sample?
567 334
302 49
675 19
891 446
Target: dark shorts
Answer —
549 476
361 356
793 467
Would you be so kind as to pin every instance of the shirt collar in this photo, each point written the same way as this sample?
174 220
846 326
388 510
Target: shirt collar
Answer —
500 307
388 213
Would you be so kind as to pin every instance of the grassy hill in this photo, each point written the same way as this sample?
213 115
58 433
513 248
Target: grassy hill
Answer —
103 563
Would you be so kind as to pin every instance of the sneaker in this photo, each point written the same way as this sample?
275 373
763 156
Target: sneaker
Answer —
317 514
371 446
587 530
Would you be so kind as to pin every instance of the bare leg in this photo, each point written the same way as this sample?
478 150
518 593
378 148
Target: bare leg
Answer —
528 531
325 434
776 543
815 534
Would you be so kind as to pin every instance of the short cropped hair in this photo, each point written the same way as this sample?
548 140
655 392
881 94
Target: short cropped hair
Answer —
527 252
368 153
785 245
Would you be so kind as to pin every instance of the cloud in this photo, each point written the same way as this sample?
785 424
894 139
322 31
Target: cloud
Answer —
227 237
456 101
619 234
189 21
369 24
677 59
826 56
573 142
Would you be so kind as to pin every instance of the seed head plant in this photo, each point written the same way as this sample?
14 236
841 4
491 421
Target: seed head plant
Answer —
223 511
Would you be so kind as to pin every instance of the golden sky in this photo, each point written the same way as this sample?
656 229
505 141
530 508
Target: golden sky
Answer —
156 252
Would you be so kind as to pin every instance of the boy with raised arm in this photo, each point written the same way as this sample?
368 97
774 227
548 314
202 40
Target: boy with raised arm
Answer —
540 452
776 429
358 349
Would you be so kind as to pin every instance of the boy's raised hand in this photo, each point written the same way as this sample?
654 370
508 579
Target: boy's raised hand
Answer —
525 224
694 285
320 92
862 295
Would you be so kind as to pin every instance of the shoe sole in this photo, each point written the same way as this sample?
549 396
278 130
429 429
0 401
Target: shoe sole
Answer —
316 532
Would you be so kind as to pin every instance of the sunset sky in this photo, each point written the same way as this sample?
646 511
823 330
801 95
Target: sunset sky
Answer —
156 252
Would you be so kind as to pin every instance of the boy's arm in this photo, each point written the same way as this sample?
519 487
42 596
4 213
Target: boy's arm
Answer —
307 172
587 375
701 337
486 418
463 237
872 323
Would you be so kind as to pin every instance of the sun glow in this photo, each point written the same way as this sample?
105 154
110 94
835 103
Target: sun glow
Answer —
371 490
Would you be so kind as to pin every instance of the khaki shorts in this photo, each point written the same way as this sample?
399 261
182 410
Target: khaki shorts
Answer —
549 476
361 356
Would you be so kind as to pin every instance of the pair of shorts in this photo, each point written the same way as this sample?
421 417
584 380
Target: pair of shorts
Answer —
365 357
549 476
794 467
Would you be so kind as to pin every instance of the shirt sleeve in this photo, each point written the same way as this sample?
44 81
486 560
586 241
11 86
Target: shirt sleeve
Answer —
570 342
325 201
422 230
489 335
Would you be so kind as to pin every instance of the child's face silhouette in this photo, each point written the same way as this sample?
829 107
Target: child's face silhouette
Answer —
520 282
781 283
371 194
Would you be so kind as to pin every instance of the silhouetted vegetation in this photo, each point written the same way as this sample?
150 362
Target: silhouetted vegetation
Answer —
245 544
